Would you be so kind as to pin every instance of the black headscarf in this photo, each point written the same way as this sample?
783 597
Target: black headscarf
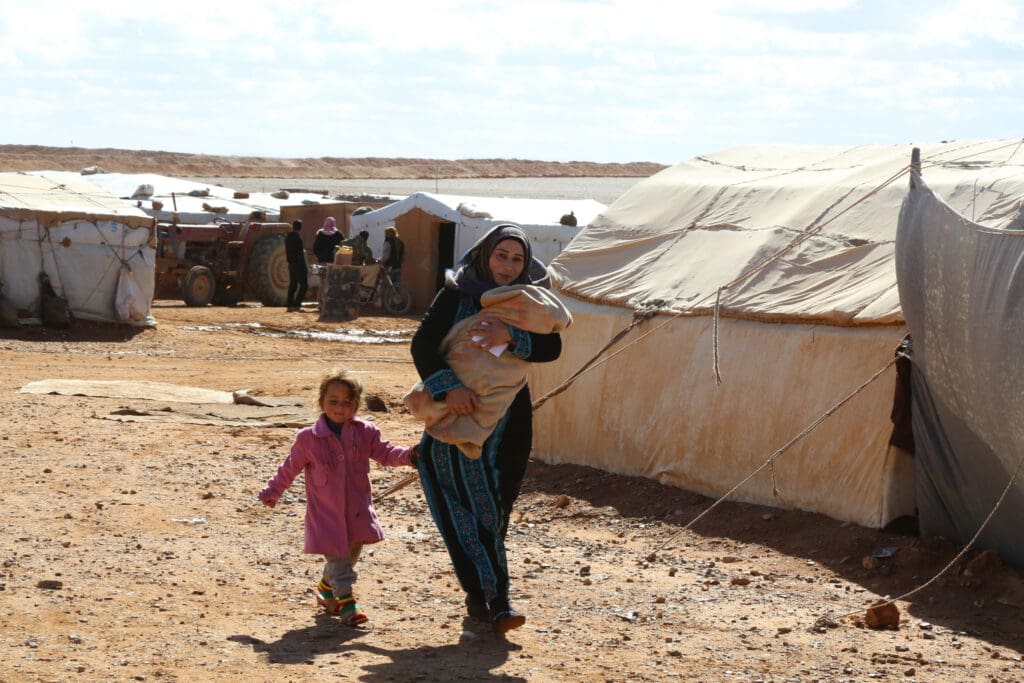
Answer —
472 274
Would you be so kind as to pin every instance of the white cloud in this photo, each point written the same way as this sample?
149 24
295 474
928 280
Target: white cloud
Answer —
580 78
966 22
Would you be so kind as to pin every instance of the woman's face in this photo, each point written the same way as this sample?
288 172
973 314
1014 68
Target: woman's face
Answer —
507 262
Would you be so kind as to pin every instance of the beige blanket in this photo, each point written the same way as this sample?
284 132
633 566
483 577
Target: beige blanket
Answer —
495 379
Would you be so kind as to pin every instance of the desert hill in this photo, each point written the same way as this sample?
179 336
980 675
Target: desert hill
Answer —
37 157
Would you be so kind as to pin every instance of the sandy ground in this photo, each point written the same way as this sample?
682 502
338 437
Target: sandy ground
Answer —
136 550
38 157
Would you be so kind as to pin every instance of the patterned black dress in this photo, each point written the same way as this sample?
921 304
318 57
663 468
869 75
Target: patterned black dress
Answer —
471 500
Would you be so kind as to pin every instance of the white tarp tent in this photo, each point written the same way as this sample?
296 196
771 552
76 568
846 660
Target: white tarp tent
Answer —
438 229
196 203
801 241
97 250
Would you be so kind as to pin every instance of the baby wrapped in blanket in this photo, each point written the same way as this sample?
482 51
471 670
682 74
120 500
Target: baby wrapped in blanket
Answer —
496 378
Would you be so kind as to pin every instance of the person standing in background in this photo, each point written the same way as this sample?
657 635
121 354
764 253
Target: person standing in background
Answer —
362 255
393 254
327 240
298 281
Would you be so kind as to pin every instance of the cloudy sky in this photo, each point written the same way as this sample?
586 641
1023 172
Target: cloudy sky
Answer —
561 80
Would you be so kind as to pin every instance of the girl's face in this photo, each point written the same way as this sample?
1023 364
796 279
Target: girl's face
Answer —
338 403
507 262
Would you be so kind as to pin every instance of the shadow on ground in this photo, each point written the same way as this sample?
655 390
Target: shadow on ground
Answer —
331 642
80 331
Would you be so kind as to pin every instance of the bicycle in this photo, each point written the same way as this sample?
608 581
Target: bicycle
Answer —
385 293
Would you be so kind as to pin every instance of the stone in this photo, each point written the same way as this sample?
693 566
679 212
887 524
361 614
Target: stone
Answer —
882 614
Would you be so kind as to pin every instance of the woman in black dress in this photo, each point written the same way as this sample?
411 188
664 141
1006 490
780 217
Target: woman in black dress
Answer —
471 500
326 241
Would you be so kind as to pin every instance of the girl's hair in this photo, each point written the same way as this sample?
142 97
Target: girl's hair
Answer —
355 387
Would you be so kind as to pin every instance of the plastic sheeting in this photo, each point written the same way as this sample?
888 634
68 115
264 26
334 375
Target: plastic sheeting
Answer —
80 236
962 289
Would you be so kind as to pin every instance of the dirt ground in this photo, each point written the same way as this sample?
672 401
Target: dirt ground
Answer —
36 157
133 548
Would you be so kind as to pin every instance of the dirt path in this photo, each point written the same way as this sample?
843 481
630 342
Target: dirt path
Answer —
135 550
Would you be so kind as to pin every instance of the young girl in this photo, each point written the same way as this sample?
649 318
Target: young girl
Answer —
334 454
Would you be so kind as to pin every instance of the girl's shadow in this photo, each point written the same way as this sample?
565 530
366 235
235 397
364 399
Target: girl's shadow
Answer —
473 658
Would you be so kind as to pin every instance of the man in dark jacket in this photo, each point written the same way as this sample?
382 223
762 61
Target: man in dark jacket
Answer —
393 254
298 282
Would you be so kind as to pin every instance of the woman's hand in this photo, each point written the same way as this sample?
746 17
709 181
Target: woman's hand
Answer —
462 401
489 332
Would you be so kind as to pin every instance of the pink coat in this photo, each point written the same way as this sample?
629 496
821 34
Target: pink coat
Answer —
339 508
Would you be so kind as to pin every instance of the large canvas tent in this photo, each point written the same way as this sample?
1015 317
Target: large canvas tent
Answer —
83 238
438 229
796 244
961 282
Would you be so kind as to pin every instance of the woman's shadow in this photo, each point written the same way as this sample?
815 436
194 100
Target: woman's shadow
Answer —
474 657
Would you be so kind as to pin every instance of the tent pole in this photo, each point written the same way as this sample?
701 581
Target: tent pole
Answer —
915 165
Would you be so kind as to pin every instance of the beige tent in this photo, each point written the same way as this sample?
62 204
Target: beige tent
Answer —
96 249
800 239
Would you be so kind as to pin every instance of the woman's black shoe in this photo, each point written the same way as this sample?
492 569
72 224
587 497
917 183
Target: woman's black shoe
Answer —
476 607
506 620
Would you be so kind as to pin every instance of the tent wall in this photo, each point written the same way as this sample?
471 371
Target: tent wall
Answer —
83 260
961 286
682 429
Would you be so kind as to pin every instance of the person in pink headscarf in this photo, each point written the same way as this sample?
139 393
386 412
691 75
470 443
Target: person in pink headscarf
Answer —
327 240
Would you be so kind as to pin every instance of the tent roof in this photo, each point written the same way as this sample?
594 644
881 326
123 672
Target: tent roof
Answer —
672 240
51 199
483 212
189 208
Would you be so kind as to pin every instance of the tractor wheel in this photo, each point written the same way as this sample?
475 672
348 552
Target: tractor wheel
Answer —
198 286
266 272
396 301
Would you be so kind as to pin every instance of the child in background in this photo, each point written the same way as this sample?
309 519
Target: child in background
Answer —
334 455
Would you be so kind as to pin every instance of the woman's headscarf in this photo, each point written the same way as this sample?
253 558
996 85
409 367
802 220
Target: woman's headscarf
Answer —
472 274
330 227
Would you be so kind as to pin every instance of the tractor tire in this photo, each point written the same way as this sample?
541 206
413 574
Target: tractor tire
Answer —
266 272
198 286
396 301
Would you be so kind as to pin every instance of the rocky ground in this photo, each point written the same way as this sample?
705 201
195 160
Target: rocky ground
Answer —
133 547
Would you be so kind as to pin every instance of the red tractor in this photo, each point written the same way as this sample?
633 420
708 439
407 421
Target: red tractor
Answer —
224 263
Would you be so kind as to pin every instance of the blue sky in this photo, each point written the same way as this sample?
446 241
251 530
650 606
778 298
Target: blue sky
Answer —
559 80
